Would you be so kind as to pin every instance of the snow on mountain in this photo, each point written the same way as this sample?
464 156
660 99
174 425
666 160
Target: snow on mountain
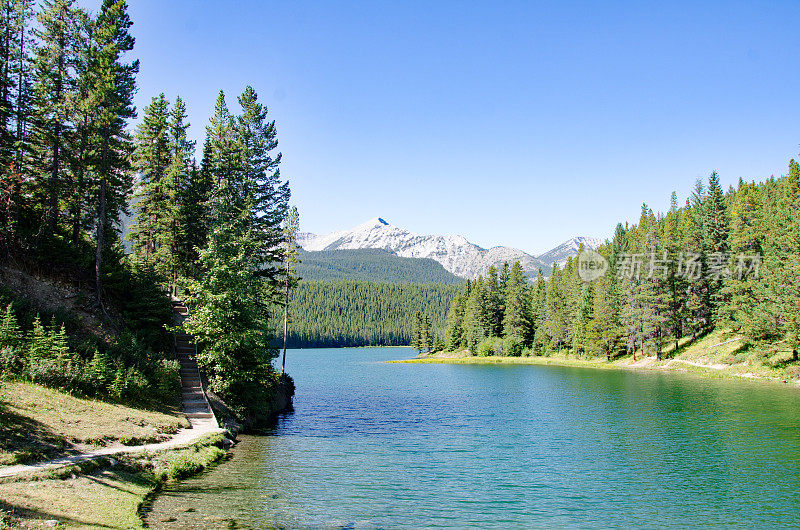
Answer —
455 253
569 248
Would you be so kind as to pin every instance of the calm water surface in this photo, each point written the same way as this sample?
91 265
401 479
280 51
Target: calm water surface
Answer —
376 445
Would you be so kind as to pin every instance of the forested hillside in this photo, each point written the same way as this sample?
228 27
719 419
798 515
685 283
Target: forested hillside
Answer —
722 260
355 313
372 265
80 314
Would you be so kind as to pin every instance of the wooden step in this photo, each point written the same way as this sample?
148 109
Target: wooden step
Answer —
199 415
195 408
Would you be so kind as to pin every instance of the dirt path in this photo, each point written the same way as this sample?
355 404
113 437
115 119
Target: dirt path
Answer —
200 428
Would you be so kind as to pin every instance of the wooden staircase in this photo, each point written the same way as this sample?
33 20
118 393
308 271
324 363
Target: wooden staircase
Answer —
194 401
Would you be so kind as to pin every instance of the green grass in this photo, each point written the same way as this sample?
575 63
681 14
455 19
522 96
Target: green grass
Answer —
104 493
107 498
38 423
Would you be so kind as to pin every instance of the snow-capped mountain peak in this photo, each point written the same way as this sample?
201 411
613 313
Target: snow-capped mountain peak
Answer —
569 248
455 253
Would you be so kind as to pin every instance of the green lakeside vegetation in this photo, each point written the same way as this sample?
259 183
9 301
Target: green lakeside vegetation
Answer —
86 327
725 265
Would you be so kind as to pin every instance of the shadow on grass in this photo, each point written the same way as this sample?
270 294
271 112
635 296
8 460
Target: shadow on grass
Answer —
18 512
24 440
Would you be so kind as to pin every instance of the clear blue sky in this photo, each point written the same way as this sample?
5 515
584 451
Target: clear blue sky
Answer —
515 123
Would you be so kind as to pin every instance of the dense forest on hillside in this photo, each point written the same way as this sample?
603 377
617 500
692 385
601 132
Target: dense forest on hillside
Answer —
372 265
355 313
725 260
80 314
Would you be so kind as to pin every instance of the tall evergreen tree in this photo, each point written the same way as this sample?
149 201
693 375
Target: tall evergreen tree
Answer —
291 227
455 322
111 89
53 85
517 321
416 332
259 163
151 159
494 303
232 298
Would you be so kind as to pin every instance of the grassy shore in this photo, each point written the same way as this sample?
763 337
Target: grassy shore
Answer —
103 493
38 424
719 354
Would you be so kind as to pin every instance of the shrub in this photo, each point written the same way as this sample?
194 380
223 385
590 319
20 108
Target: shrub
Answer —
167 379
491 346
10 333
513 346
12 362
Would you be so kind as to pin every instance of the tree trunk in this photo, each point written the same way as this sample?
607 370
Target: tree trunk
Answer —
285 319
20 99
794 355
76 207
52 214
99 236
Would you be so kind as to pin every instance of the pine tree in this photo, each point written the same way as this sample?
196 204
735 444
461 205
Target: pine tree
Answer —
416 333
59 347
39 345
516 321
53 85
603 330
494 303
78 197
475 327
455 322
716 226
539 312
231 299
291 227
151 159
259 163
170 255
426 342
193 214
111 89
100 369
583 318
10 333
555 320
694 269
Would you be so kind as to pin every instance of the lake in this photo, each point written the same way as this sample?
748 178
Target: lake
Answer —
377 445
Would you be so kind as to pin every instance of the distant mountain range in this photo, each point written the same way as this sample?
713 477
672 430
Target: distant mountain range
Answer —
454 253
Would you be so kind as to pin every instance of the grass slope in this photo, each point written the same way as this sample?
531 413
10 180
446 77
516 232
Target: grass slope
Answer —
38 423
110 497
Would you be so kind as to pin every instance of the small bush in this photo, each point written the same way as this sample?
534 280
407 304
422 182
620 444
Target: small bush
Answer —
491 346
12 362
513 346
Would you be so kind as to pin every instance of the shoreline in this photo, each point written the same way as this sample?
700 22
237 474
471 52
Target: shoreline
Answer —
733 372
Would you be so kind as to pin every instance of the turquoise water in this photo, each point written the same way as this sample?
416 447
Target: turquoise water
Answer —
376 445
